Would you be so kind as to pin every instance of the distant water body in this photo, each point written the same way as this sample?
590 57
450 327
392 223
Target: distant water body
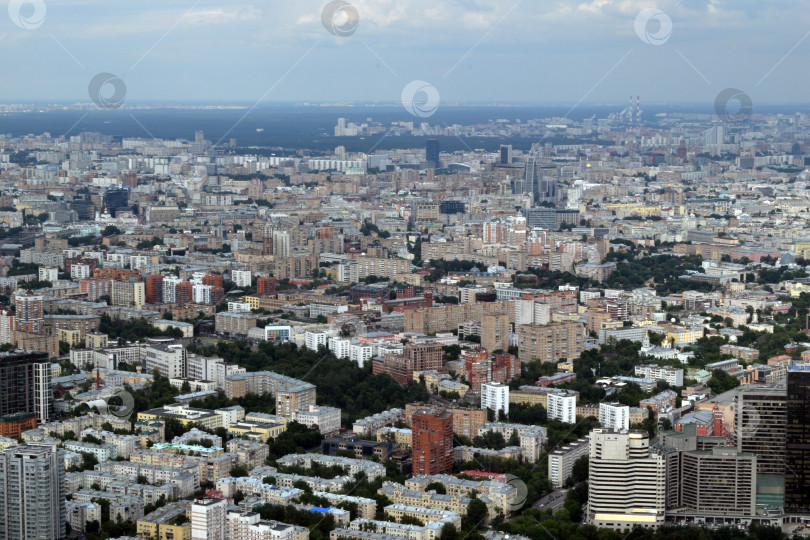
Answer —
312 127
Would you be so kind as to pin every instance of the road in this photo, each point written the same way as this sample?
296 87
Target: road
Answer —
554 501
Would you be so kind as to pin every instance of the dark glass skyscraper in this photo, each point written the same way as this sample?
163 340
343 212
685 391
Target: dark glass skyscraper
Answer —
432 151
797 439
115 199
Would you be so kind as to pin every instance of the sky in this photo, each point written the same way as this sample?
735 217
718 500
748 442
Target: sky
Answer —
482 51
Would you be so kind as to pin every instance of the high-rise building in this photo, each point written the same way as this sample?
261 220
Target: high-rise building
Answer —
32 493
614 416
495 332
760 425
115 199
506 154
432 151
154 288
478 367
495 396
432 442
25 391
29 316
627 481
797 438
183 293
208 519
129 293
551 342
563 407
265 285
722 480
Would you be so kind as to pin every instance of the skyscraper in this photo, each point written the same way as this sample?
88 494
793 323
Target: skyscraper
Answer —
495 332
32 493
114 199
29 316
760 425
627 481
797 437
154 288
432 442
506 154
432 151
25 391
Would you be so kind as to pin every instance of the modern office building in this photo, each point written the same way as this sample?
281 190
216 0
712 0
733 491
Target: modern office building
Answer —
760 425
719 481
115 199
627 481
432 436
432 151
797 438
25 391
32 493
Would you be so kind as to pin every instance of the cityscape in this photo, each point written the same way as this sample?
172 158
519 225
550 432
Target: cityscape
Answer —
458 311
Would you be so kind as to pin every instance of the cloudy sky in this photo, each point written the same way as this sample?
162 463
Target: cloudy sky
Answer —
470 50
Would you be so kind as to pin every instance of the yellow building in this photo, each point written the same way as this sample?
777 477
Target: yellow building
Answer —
400 436
169 522
71 337
95 340
685 336
257 430
186 415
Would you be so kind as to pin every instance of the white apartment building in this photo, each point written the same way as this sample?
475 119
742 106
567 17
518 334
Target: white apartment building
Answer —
238 307
495 396
169 284
47 273
561 461
201 294
314 340
339 346
562 407
169 360
671 375
79 271
242 278
348 272
614 416
326 419
360 354
208 519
